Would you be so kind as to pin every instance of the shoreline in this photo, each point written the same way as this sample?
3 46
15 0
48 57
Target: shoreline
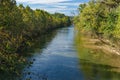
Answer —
101 44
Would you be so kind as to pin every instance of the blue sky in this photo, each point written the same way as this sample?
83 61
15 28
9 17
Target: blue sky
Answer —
68 7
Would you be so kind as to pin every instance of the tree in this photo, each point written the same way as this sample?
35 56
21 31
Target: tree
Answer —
81 7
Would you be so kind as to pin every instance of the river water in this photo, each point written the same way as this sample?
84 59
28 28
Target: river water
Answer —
60 59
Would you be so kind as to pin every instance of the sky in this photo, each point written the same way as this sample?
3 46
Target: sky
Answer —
67 7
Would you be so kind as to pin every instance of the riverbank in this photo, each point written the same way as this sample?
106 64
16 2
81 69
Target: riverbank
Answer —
20 31
98 63
98 52
102 44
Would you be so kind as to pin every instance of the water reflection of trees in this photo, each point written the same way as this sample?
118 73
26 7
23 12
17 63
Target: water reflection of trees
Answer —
95 64
94 71
37 45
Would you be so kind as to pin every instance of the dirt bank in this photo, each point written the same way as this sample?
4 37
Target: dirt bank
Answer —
104 45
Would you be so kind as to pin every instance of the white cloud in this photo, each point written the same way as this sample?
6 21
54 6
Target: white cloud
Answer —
62 7
41 1
53 5
70 4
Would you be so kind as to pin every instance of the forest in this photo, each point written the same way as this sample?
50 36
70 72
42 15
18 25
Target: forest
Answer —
18 26
101 18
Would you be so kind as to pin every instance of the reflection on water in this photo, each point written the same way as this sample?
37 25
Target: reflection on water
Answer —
93 71
37 45
57 61
56 57
95 64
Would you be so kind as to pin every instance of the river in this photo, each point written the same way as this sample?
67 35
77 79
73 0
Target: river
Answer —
61 59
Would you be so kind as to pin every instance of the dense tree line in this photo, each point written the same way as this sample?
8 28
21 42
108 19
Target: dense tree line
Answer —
19 25
101 17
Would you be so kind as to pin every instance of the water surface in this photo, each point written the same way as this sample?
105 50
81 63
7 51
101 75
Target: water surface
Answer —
62 59
57 61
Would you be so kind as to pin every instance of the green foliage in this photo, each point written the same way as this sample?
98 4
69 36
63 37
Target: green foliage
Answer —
100 17
81 7
117 28
19 25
